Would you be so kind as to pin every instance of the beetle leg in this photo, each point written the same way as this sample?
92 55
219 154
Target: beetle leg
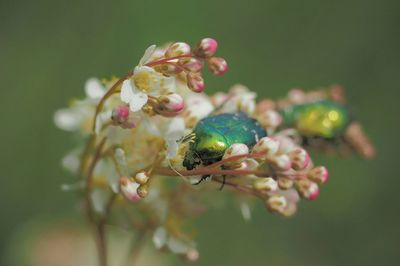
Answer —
223 182
204 177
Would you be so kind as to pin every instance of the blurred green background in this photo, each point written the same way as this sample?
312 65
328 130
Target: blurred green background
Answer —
49 48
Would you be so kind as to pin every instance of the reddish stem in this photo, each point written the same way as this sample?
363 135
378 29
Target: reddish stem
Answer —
166 60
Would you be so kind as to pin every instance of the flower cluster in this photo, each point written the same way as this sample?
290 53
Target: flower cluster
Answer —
140 128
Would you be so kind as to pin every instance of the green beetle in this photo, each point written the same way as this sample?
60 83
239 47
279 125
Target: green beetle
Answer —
323 119
214 134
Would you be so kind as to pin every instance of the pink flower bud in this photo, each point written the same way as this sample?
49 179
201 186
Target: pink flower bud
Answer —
129 189
300 158
142 178
206 47
178 49
217 66
191 64
267 184
121 117
267 146
281 162
192 255
169 105
319 174
307 189
195 82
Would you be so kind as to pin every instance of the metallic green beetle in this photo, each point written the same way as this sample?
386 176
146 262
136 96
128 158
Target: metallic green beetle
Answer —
214 134
324 119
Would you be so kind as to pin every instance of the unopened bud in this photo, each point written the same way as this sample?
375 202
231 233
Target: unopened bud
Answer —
191 64
277 203
267 146
129 189
192 255
267 184
178 49
300 158
143 190
307 189
236 149
206 47
281 162
142 178
195 82
319 174
169 105
217 66
270 119
121 117
285 183
290 209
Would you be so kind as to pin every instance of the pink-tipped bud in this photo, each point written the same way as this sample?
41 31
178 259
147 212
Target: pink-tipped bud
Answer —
206 47
285 183
267 184
319 174
307 189
178 49
277 203
300 158
270 119
142 178
191 64
192 255
217 65
121 117
169 105
129 189
281 162
195 82
267 146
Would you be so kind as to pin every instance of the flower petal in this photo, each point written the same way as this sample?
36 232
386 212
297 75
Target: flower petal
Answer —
147 54
67 119
175 131
94 89
177 246
160 237
126 91
138 100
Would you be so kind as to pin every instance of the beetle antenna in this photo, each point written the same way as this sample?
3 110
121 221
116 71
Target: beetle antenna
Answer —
176 171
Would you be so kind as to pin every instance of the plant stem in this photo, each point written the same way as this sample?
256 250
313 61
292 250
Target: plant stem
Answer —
110 92
99 227
136 247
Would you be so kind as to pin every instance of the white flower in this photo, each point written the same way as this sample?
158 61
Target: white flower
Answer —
148 54
77 116
175 131
239 99
145 81
198 106
94 89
